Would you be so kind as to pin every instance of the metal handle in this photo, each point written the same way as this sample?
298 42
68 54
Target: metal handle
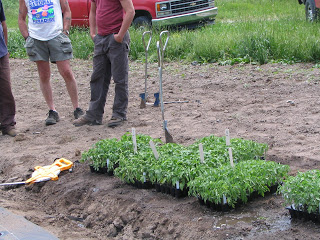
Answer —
163 47
160 47
146 47
159 54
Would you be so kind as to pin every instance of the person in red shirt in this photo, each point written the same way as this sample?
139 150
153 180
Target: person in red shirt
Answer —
109 22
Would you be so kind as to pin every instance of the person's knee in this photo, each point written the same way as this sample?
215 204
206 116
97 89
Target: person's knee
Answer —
67 74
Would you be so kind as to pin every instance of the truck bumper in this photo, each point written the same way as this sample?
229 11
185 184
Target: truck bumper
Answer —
186 18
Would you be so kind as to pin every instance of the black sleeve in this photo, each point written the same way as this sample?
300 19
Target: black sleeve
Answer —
2 17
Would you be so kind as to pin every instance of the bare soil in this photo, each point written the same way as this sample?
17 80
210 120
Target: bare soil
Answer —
275 104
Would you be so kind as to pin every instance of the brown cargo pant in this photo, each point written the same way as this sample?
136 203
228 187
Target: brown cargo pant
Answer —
110 60
7 103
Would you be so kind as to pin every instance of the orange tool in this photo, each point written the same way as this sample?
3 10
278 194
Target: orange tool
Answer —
46 173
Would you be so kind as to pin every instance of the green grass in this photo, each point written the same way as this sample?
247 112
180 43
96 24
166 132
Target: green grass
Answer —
11 11
257 31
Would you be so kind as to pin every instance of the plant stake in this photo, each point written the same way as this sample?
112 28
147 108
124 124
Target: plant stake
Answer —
201 153
134 140
154 150
229 149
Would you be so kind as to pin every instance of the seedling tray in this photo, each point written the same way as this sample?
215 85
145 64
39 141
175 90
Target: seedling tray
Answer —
103 170
303 215
167 189
142 185
225 207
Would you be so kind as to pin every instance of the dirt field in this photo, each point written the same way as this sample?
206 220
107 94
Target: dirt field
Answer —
274 104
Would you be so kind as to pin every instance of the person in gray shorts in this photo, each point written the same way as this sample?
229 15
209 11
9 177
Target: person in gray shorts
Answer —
47 41
109 22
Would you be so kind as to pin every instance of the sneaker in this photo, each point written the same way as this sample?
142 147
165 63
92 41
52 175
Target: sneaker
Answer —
84 121
53 118
12 132
78 113
114 121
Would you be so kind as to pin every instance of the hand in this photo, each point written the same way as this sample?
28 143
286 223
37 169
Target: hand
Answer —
93 36
117 38
66 32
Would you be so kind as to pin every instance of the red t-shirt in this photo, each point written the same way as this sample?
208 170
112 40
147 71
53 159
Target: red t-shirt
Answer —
109 16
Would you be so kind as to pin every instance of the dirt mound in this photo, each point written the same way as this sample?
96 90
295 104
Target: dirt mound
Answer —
274 104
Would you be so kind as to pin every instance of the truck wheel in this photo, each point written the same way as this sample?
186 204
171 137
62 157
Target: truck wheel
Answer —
312 13
141 22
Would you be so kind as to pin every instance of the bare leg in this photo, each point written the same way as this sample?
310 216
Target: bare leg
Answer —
45 85
71 84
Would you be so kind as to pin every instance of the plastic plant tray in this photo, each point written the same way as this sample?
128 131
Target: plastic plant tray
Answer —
225 207
167 189
303 215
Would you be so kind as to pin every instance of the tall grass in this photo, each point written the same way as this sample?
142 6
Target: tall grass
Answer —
245 30
11 10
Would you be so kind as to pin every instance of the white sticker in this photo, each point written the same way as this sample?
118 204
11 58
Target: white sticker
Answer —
201 153
134 140
227 137
154 150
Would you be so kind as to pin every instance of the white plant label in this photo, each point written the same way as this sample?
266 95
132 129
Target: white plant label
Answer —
144 177
108 161
231 157
224 200
229 149
134 140
177 185
154 150
201 153
227 137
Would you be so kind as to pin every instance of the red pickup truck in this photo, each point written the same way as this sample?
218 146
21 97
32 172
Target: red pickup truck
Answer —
312 9
155 12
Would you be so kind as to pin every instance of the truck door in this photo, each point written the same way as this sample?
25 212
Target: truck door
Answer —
80 12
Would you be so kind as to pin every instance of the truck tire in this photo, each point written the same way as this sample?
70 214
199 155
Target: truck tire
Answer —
312 13
141 21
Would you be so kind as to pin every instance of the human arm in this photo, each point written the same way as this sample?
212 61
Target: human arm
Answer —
23 11
127 6
5 31
66 12
92 20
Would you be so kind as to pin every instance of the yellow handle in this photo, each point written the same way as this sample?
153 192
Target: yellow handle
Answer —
51 171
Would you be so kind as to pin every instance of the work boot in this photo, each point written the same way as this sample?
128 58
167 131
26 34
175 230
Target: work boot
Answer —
78 113
84 121
53 118
12 132
116 121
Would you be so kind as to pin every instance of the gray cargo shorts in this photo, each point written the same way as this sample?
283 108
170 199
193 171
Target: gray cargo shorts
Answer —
56 49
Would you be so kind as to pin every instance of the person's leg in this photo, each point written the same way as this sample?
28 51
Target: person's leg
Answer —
71 84
119 69
60 50
99 83
7 102
45 85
